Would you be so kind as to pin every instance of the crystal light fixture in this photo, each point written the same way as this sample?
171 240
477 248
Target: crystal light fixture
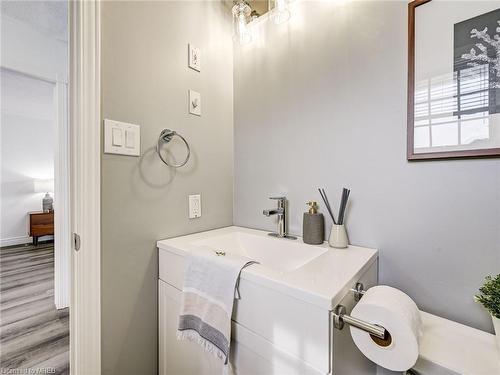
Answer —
280 13
241 16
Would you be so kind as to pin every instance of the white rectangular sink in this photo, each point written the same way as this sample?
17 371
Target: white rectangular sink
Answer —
316 274
282 316
282 255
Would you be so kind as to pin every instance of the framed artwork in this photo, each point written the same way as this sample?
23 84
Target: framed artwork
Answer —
453 79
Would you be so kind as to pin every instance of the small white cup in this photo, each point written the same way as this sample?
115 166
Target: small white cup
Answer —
338 237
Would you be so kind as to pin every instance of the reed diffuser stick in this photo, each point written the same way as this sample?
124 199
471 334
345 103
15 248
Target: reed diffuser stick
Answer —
327 203
343 204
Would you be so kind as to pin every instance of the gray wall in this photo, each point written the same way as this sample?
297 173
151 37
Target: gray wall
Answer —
145 80
321 101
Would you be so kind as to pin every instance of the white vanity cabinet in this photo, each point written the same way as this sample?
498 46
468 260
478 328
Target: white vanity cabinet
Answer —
188 358
278 328
176 357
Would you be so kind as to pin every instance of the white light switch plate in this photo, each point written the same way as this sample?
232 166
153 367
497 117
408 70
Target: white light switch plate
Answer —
194 58
194 206
122 138
194 103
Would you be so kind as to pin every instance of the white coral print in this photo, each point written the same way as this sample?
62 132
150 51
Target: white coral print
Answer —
479 54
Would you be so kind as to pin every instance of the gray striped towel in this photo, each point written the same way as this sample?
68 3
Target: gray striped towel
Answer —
210 286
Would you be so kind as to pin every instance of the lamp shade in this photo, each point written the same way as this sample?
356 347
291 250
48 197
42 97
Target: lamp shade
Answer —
44 186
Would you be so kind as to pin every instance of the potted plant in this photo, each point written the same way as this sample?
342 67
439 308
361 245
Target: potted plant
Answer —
489 297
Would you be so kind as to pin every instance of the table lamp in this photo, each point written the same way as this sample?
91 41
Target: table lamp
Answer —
45 186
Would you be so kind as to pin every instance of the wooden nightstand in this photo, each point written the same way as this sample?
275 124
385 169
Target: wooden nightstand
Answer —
41 224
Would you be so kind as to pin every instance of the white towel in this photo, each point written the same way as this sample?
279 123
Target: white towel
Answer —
210 286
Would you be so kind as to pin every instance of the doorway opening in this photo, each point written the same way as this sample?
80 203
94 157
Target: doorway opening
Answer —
35 246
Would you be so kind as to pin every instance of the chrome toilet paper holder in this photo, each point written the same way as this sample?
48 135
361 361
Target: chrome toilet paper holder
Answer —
340 318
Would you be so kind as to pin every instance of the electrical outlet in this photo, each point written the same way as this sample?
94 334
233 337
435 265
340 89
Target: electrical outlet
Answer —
194 206
194 58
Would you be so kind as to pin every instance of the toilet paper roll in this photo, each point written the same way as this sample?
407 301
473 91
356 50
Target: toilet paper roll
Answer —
399 315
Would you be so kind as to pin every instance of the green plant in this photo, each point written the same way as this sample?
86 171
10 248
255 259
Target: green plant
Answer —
489 295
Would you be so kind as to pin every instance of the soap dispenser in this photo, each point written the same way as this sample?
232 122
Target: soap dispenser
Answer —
313 226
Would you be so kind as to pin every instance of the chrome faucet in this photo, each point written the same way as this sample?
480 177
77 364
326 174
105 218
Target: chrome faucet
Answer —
282 219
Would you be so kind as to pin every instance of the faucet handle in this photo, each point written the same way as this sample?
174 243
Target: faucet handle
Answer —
278 198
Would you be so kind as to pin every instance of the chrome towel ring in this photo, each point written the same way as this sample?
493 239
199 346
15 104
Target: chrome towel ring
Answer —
165 137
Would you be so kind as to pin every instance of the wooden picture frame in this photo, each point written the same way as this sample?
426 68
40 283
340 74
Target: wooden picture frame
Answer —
411 155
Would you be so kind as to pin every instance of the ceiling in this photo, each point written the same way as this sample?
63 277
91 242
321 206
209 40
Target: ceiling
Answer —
50 16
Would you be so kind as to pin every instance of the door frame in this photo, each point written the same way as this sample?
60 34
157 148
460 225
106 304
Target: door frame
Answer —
85 185
62 234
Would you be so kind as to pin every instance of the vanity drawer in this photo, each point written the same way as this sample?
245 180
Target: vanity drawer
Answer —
250 354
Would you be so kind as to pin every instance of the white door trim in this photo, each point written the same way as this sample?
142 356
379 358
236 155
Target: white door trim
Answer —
85 136
62 235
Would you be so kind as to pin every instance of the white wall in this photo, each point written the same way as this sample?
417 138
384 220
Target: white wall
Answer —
28 120
28 143
321 101
29 50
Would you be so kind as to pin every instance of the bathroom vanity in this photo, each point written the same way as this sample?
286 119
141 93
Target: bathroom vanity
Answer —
281 324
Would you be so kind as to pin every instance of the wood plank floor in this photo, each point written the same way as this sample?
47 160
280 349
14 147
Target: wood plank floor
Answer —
34 335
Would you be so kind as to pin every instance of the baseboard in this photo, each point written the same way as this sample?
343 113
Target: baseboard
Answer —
15 241
62 304
12 241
